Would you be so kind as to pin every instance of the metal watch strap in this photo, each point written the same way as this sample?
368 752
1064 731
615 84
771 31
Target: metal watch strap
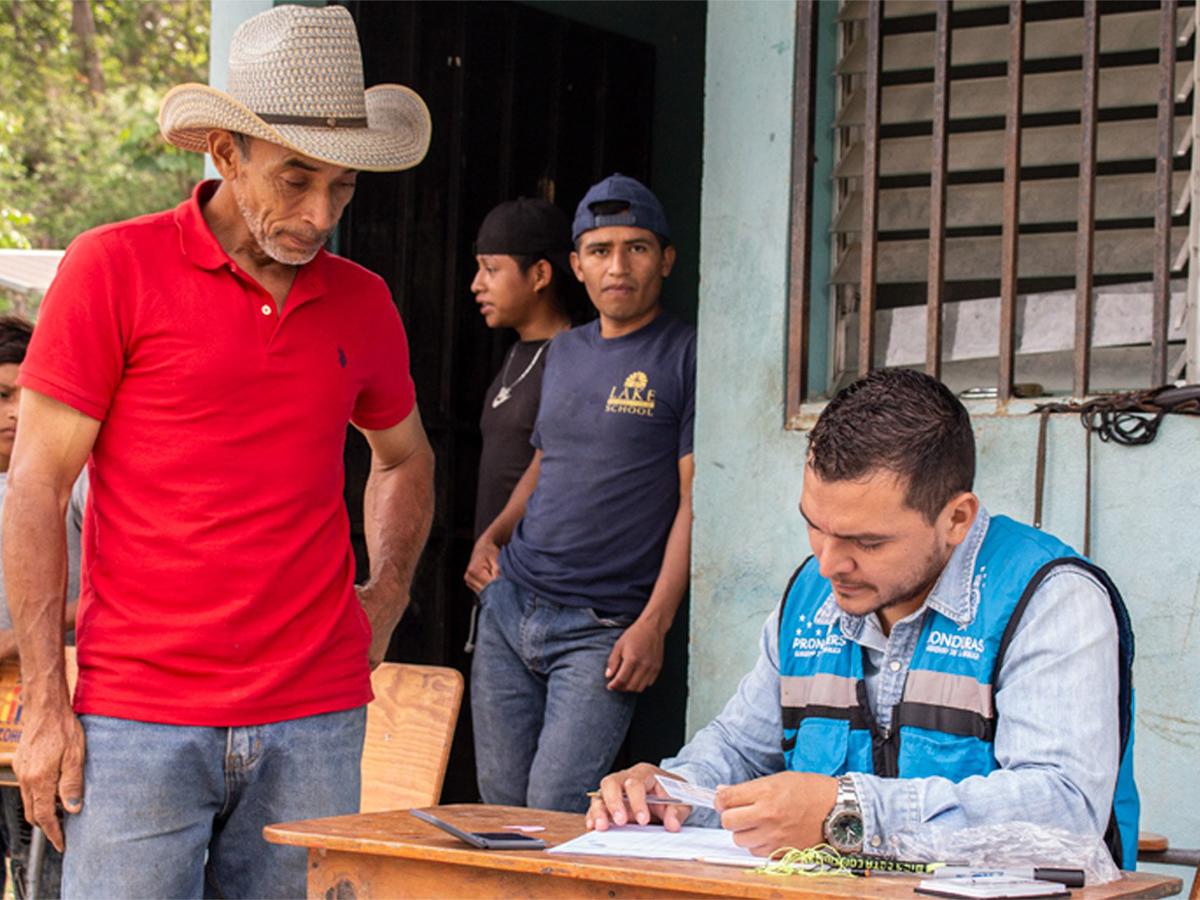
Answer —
845 802
847 796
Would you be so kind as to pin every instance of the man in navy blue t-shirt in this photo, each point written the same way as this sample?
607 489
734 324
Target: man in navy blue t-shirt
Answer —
580 575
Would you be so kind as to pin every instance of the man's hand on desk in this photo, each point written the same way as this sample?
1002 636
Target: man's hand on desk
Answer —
783 810
623 800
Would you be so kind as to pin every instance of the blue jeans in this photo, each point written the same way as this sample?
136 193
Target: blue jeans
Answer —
178 811
546 727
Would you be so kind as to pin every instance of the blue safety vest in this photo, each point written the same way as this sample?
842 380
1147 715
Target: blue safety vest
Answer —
945 721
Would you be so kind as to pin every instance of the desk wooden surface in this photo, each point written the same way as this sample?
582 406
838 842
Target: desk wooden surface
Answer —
393 854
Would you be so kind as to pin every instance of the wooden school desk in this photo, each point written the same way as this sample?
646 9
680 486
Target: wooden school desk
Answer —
393 854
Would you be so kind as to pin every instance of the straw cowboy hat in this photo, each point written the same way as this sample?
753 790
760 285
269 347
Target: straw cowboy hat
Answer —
296 79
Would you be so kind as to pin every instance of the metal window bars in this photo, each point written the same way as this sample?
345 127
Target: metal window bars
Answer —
1005 145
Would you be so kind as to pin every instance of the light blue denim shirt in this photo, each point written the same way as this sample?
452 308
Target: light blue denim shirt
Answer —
1057 739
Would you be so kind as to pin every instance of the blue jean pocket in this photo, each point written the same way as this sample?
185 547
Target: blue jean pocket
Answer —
622 620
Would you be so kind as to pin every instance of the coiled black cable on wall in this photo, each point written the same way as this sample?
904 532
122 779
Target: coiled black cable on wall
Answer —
1131 419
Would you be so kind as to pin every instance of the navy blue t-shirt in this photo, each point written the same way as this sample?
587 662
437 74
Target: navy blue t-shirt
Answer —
614 421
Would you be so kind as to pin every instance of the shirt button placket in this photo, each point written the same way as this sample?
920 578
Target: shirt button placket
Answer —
268 322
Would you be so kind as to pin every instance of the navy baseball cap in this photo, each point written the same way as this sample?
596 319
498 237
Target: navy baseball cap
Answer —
527 227
620 200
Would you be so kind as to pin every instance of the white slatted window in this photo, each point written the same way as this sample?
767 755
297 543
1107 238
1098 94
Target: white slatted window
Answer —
1053 87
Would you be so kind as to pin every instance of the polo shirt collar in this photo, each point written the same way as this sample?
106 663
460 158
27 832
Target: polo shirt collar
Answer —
201 247
310 281
196 239
955 594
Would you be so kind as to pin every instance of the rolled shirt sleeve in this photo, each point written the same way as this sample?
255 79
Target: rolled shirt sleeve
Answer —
1057 733
743 742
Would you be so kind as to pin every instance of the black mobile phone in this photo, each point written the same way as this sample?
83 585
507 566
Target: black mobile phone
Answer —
485 840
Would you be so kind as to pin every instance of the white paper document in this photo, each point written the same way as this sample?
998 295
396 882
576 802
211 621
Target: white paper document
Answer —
686 793
990 886
655 842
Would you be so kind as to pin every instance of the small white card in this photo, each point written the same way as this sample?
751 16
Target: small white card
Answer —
685 793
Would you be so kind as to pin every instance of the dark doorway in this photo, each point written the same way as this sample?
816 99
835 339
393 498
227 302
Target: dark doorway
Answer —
524 103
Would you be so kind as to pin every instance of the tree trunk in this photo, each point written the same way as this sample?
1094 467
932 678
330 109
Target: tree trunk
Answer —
83 26
188 31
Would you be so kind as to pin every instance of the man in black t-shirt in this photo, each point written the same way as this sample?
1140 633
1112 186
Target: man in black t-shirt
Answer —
522 252
581 573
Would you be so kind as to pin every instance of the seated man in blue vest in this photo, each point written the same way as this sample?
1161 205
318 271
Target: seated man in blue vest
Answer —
929 665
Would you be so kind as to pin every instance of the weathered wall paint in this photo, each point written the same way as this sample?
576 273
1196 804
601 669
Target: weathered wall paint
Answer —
749 536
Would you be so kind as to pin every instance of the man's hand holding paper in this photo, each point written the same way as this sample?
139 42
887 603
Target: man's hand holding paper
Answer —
685 792
787 809
622 799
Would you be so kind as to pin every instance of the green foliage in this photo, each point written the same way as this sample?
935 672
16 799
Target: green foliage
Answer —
12 225
74 152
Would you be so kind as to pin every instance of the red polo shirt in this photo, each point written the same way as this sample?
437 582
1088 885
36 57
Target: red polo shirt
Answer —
218 575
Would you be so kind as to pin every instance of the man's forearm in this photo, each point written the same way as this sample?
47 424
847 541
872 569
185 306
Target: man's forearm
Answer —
8 636
397 512
742 742
502 527
672 581
1045 797
35 575
8 644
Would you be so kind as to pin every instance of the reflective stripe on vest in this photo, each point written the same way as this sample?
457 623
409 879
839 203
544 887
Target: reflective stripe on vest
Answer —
954 704
828 696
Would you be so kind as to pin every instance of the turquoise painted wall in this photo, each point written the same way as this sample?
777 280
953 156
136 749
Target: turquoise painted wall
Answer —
748 534
227 15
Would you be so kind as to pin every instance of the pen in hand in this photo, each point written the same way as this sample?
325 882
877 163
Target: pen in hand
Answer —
650 799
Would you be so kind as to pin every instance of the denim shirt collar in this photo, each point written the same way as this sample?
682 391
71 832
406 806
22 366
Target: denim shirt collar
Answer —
955 594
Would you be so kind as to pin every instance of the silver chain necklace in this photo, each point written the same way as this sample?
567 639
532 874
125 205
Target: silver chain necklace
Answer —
506 390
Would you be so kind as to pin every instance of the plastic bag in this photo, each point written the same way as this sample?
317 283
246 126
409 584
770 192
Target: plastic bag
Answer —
1007 845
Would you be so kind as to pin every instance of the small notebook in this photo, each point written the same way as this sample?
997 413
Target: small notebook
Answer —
990 886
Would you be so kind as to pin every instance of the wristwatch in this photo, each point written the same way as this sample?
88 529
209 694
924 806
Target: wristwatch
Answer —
844 824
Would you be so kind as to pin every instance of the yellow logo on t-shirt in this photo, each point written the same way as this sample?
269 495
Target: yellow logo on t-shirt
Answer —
633 398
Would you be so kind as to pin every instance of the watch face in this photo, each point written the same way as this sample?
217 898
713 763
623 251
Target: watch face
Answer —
846 831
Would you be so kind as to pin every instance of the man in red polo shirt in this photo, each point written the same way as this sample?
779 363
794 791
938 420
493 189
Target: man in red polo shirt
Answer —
204 363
